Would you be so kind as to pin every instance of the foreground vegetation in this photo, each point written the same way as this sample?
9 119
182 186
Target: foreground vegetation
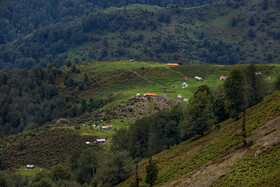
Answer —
218 145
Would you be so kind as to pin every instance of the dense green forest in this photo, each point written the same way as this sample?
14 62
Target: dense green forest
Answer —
29 99
56 31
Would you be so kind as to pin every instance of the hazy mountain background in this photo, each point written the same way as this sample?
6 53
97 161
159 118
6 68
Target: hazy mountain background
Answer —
185 31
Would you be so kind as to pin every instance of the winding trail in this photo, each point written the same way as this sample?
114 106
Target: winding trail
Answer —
142 77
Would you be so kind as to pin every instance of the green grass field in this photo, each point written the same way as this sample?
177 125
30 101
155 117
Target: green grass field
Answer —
29 172
120 80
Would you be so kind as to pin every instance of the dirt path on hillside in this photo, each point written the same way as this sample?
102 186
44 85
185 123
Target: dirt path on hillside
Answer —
209 173
140 76
178 72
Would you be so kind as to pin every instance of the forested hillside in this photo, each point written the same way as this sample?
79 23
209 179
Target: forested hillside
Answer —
41 32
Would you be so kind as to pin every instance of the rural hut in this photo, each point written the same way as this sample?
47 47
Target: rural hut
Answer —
185 85
28 166
100 140
107 127
223 78
198 78
180 97
172 64
150 94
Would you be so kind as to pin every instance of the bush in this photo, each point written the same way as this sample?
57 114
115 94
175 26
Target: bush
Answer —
251 33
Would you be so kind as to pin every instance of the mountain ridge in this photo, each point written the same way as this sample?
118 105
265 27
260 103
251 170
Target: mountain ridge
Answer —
219 33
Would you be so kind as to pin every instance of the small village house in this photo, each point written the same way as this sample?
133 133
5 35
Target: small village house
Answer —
180 97
150 94
136 96
223 78
100 140
107 127
198 78
28 166
131 60
172 64
87 143
185 85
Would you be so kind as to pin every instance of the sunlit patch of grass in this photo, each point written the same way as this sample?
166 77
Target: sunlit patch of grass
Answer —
29 172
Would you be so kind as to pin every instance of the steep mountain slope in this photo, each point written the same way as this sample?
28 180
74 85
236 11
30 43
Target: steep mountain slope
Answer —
219 158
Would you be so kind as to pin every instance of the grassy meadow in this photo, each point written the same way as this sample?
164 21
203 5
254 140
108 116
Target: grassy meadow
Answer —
121 80
118 81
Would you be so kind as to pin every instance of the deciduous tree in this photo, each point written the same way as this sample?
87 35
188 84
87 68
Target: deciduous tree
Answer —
151 172
198 116
234 90
256 86
277 83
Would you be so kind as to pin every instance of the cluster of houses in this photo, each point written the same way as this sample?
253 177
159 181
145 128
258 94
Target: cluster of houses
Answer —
180 97
137 95
223 78
106 127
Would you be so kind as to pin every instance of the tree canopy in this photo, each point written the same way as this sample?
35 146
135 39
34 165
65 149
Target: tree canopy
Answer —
234 89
